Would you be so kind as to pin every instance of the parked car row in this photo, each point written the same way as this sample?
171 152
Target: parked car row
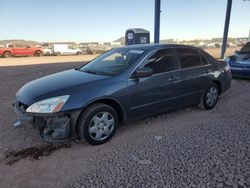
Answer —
27 50
62 49
240 62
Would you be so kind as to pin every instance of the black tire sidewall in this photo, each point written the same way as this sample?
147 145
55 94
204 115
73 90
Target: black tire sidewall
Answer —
86 117
37 54
8 56
205 94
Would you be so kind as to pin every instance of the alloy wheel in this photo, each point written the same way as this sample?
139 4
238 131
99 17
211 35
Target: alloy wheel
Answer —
211 96
101 126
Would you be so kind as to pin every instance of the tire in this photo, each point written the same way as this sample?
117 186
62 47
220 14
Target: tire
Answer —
97 124
7 55
38 54
78 53
210 97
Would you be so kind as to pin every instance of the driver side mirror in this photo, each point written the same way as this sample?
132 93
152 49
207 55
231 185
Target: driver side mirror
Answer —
143 72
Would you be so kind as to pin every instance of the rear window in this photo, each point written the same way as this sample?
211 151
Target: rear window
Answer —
189 58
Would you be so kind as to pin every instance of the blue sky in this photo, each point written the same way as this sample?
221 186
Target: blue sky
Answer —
107 20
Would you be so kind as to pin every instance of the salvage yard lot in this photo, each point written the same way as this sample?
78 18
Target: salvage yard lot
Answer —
186 148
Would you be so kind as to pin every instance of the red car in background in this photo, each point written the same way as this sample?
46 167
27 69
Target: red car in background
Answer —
20 50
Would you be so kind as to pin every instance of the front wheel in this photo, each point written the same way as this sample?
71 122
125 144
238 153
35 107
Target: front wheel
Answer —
37 54
97 124
210 97
7 55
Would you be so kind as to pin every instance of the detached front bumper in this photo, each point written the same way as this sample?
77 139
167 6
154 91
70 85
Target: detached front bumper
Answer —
52 127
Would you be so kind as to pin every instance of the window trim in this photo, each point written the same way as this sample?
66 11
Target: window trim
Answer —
202 55
130 77
179 62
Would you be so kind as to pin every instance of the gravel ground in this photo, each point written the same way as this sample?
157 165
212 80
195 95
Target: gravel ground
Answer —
187 148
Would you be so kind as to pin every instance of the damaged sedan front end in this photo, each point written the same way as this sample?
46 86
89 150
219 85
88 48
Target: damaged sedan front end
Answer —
46 117
52 104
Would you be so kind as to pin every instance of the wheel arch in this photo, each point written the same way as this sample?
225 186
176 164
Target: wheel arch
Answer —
38 51
113 103
7 51
218 83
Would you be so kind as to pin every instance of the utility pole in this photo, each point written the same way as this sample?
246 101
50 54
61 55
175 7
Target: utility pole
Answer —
226 27
157 21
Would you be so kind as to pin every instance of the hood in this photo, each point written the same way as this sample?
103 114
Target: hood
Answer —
62 83
240 60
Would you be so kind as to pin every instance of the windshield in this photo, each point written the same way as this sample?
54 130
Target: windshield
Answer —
246 48
113 62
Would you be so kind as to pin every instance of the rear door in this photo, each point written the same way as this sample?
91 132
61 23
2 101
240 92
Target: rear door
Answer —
155 93
21 49
194 75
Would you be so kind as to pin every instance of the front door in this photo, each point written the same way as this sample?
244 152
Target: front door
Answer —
22 50
156 93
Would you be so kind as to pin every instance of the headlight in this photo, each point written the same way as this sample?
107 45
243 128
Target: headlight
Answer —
48 105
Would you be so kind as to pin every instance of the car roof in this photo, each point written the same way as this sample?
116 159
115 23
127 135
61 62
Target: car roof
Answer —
156 46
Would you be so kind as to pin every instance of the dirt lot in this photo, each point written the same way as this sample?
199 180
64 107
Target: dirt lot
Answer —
18 61
187 148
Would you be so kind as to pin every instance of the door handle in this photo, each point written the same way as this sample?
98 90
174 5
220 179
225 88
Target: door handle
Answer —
205 71
172 79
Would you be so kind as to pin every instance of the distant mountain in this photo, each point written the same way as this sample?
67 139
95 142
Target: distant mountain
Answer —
33 43
18 41
121 40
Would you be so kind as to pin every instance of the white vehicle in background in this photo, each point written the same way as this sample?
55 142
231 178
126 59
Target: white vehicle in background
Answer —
47 51
65 49
211 45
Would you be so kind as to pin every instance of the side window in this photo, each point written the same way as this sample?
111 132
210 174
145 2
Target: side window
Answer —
161 61
204 60
189 58
19 46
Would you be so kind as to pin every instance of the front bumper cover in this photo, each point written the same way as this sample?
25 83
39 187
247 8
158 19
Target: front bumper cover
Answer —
52 126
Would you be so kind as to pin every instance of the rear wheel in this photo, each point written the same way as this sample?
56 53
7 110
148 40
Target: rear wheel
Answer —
7 54
97 124
37 54
210 97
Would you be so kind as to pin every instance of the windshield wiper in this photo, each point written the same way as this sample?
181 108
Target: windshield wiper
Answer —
90 71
